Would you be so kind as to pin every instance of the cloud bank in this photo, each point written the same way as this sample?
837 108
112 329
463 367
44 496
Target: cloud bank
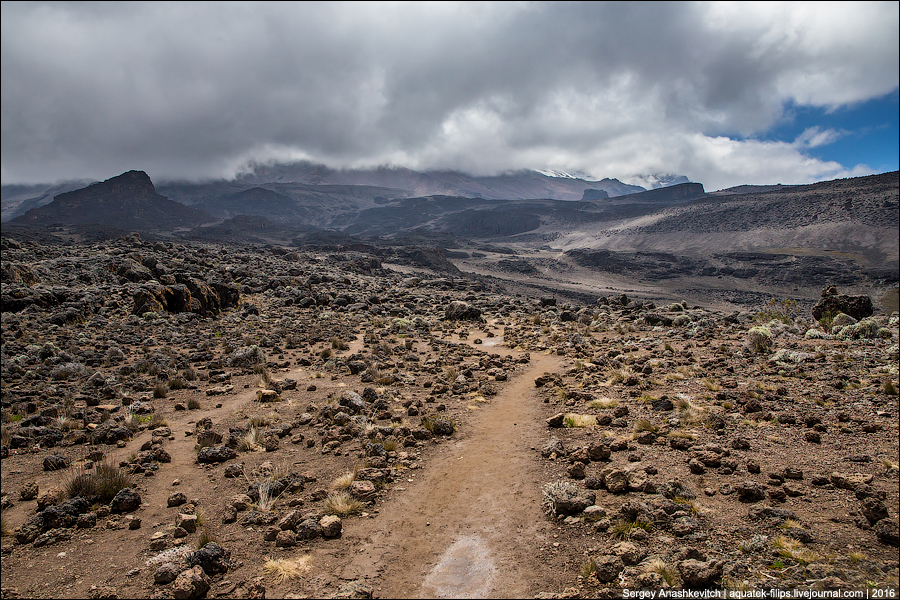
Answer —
197 90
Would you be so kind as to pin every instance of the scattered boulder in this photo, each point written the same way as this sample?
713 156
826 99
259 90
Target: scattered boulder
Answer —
461 311
126 500
700 574
55 462
608 567
211 558
831 304
331 526
750 491
190 584
215 454
888 531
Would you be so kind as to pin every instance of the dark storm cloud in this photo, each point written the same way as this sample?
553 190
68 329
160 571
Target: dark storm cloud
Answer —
618 89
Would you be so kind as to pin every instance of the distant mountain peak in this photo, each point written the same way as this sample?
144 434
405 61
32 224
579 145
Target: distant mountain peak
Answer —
126 201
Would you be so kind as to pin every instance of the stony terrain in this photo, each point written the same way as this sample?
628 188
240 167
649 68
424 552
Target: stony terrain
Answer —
189 419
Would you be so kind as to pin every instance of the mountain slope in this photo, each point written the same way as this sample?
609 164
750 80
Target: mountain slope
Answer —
128 201
847 215
19 199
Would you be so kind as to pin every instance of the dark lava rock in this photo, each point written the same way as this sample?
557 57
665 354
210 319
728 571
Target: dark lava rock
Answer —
215 454
832 303
662 404
309 530
676 489
459 310
697 574
55 462
750 491
212 558
254 517
234 471
873 509
608 567
776 516
64 514
888 531
109 432
126 500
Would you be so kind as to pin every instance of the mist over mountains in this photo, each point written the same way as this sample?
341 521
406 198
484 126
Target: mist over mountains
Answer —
799 237
311 182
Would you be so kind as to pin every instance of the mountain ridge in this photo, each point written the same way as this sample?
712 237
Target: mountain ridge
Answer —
127 201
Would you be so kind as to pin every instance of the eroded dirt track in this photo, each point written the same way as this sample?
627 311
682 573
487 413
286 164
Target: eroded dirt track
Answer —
467 527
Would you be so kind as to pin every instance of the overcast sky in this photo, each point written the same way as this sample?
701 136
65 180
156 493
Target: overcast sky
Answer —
722 93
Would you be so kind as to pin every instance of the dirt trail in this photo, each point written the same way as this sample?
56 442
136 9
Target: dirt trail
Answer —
467 526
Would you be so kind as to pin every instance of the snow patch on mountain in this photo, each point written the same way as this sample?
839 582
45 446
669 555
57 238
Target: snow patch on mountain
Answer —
566 174
658 180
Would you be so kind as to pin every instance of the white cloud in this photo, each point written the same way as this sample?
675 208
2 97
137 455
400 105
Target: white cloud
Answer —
813 137
616 89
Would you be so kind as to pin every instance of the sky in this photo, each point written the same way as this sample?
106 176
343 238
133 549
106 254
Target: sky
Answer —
723 93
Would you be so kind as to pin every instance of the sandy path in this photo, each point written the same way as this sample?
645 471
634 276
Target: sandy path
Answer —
467 526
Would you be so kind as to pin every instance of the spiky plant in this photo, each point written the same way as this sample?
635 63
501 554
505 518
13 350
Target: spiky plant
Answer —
260 421
689 504
645 425
267 496
588 568
157 421
788 547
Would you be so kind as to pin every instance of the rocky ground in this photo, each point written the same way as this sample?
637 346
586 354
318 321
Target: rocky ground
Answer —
200 419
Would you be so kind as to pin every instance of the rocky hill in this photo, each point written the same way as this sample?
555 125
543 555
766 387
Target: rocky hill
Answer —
856 219
128 201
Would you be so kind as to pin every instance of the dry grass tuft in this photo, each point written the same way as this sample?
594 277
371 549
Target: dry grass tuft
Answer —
576 420
102 482
283 569
343 482
342 504
251 441
622 529
788 547
603 403
645 425
663 569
